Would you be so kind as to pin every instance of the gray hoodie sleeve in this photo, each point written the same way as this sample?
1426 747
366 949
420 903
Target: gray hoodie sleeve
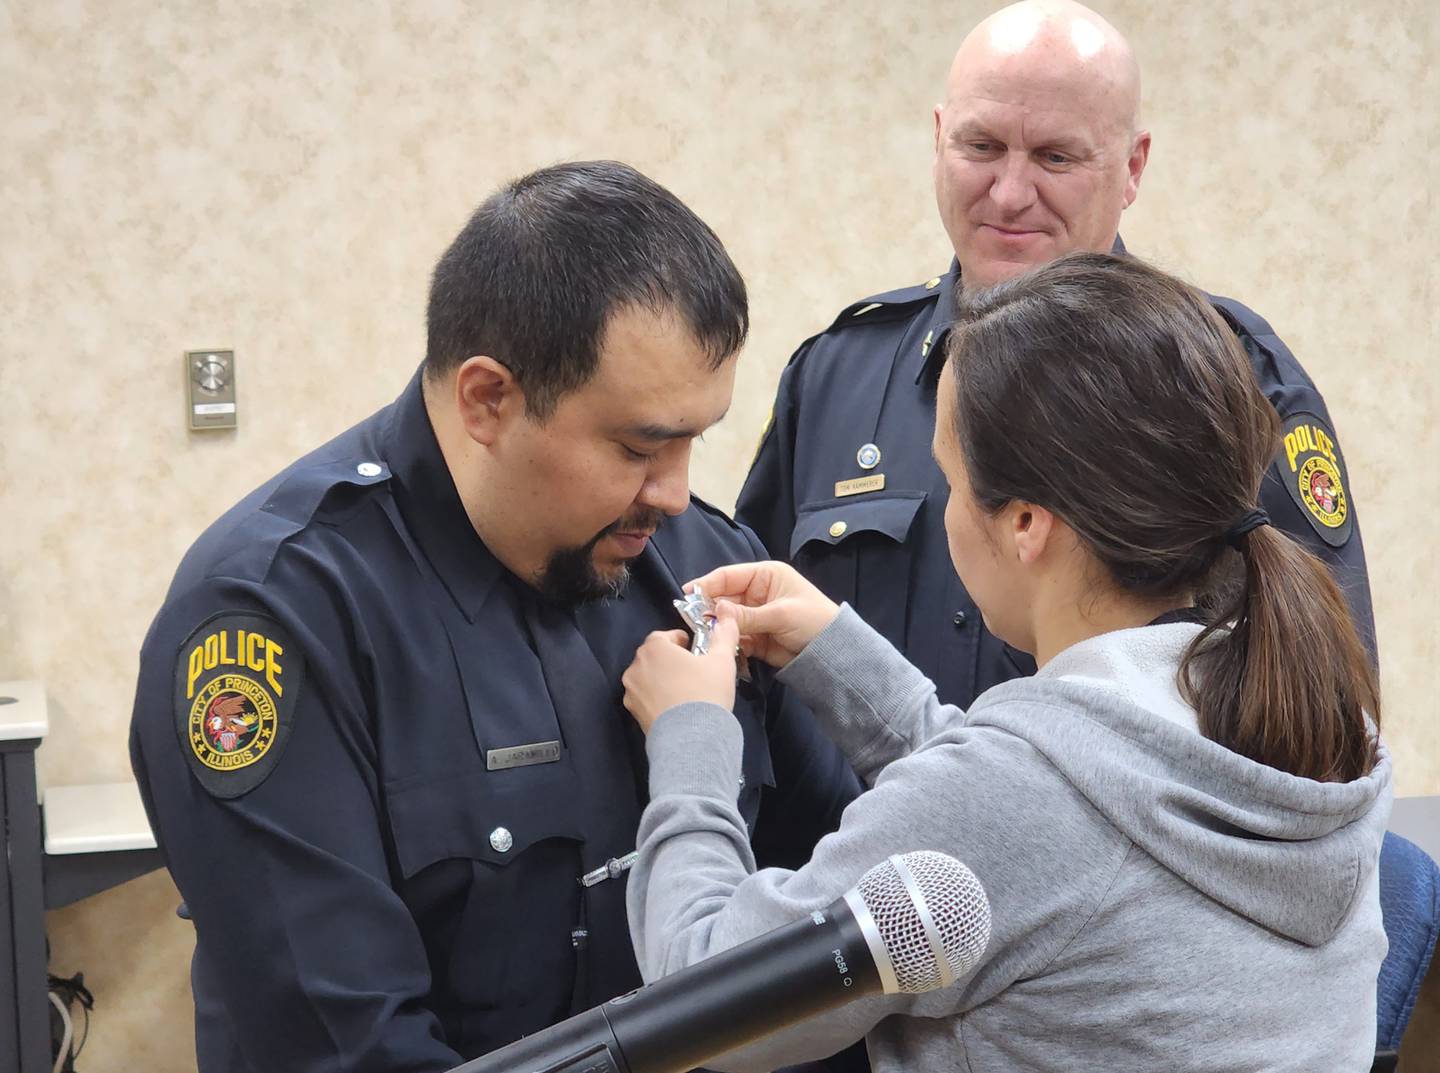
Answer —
877 709
692 892
970 792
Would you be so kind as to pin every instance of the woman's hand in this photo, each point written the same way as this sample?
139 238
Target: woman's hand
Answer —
665 673
776 611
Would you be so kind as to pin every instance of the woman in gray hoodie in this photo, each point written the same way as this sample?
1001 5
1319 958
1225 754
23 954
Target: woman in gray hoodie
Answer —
1177 819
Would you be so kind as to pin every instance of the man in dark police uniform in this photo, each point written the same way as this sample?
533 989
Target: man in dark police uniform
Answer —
378 725
1038 151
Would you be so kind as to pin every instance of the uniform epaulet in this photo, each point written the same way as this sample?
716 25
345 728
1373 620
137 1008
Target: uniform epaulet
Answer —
885 306
311 486
244 541
1249 321
711 509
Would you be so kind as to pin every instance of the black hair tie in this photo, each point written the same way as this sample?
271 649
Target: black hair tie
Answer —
1244 525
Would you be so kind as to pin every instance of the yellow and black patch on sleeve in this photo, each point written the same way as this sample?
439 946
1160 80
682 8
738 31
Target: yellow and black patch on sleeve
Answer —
1313 472
237 680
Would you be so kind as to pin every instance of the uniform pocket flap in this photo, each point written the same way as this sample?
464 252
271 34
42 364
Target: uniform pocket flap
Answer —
491 816
835 520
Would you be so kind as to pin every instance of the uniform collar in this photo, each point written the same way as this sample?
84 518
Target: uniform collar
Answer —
929 355
430 505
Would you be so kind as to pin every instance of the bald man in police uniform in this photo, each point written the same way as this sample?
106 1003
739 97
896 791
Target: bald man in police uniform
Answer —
378 725
1038 151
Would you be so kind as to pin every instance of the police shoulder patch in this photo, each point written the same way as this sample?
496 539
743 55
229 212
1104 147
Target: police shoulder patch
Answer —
237 679
1313 473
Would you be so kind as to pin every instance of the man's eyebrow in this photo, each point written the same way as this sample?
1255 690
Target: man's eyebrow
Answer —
971 129
1067 143
667 432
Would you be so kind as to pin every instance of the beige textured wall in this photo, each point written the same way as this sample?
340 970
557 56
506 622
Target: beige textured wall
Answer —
279 178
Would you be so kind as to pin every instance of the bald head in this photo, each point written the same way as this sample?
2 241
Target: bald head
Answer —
1056 45
1038 148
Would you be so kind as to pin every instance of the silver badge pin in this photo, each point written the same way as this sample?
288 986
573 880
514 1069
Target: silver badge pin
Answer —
699 614
868 456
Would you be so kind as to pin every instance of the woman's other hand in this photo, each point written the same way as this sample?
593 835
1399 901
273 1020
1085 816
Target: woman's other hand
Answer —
665 673
776 611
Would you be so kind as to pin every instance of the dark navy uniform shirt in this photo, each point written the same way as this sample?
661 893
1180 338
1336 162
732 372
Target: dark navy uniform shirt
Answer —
378 766
868 381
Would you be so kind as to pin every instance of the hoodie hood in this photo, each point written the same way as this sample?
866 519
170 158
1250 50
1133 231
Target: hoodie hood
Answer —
1292 854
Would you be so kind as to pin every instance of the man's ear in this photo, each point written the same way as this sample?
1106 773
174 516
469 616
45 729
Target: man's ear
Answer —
1135 166
1032 529
487 397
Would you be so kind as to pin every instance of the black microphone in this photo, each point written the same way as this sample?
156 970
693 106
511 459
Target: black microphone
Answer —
914 923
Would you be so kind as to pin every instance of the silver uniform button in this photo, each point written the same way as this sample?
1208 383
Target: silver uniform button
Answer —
868 456
368 469
500 840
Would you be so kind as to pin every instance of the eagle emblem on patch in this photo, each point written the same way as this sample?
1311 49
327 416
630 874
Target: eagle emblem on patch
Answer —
1313 472
237 679
232 723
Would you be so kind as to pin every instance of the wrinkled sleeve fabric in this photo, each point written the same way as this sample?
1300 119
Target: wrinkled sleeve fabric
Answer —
300 936
876 710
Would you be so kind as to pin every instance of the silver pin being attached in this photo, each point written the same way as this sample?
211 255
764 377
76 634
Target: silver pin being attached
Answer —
699 614
614 868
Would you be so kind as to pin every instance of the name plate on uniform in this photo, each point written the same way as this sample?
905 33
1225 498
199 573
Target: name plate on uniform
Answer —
857 485
540 752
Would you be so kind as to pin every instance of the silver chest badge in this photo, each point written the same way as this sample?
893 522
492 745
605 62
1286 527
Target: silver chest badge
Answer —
868 456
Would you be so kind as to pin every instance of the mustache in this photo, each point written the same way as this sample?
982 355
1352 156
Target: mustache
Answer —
642 520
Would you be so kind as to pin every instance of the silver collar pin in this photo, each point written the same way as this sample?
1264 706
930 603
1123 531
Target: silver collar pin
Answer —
614 868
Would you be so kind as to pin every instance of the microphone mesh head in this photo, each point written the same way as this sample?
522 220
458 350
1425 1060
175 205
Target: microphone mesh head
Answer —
957 904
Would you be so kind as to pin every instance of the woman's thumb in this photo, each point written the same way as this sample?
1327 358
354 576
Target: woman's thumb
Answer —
726 634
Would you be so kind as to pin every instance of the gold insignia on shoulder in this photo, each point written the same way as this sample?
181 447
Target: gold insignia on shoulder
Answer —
1311 455
865 309
857 485
238 678
931 284
1313 473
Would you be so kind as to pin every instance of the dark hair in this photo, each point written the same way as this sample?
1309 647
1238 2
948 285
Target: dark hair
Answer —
1115 396
542 265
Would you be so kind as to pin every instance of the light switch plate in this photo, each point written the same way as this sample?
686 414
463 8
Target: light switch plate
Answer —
210 380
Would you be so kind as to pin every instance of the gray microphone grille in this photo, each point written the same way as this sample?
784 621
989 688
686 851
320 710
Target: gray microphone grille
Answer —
932 915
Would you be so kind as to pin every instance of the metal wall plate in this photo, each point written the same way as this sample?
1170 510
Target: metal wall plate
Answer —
210 383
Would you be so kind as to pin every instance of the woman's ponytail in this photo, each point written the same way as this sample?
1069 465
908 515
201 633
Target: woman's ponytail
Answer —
1280 675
